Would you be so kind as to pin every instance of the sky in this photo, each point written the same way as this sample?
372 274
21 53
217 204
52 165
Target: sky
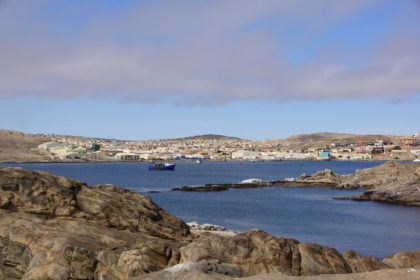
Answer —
268 69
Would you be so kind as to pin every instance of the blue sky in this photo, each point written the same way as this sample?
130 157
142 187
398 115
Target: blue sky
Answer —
253 69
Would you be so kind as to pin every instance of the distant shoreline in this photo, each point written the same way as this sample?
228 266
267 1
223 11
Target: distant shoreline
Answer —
192 161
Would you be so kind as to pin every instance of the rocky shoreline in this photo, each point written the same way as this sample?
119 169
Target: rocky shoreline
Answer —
391 182
225 187
53 227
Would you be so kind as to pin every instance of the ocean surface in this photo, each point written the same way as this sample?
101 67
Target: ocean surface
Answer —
306 214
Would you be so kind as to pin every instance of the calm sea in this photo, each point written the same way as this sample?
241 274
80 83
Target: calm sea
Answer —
307 214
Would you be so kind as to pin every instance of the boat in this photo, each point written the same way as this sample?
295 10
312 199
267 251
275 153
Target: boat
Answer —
416 160
162 166
199 161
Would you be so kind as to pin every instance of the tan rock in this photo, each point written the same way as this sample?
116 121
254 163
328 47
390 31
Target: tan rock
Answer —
53 227
184 271
404 260
387 274
14 259
317 259
358 263
391 182
256 252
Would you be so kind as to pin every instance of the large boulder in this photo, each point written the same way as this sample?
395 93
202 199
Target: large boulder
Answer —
53 227
358 263
256 252
317 259
14 259
404 260
52 196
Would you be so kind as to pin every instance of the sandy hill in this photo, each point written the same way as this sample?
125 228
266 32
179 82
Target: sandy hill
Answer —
206 137
324 138
17 146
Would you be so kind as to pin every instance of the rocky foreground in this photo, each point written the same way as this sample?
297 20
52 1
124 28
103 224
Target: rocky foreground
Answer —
391 182
54 227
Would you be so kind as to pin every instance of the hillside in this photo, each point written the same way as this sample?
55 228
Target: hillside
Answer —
206 137
20 147
324 138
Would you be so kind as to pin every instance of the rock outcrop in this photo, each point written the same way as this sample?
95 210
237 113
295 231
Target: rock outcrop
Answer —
391 182
225 187
53 227
325 178
370 178
404 260
194 271
358 263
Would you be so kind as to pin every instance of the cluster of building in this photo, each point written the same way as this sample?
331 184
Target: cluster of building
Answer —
93 149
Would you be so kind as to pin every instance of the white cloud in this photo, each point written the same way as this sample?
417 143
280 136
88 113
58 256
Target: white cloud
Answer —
195 53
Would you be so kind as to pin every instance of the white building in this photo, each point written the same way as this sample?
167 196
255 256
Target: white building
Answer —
243 154
50 145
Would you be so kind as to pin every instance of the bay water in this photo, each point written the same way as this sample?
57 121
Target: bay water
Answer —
308 214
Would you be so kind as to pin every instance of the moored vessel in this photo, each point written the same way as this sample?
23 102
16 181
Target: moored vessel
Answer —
162 166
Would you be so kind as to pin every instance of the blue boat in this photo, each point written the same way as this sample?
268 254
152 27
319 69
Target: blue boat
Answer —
162 166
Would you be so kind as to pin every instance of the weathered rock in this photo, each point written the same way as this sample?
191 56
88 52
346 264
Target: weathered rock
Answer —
55 196
387 274
205 188
53 227
370 178
37 192
404 260
257 252
317 259
358 263
184 271
385 174
325 178
14 259
391 182
119 208
225 187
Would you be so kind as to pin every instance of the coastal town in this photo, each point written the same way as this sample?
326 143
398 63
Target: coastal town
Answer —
223 148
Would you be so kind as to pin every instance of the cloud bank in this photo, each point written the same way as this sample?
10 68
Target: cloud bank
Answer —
209 52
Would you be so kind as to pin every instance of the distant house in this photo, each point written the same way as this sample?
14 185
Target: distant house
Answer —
127 156
50 145
325 155
243 154
408 142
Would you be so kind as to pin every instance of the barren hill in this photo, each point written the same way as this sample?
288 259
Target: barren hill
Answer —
325 138
17 147
206 137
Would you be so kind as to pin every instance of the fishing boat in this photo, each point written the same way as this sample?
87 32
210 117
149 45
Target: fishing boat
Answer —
162 166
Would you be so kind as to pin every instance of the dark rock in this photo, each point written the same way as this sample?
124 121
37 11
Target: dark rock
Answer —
14 259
